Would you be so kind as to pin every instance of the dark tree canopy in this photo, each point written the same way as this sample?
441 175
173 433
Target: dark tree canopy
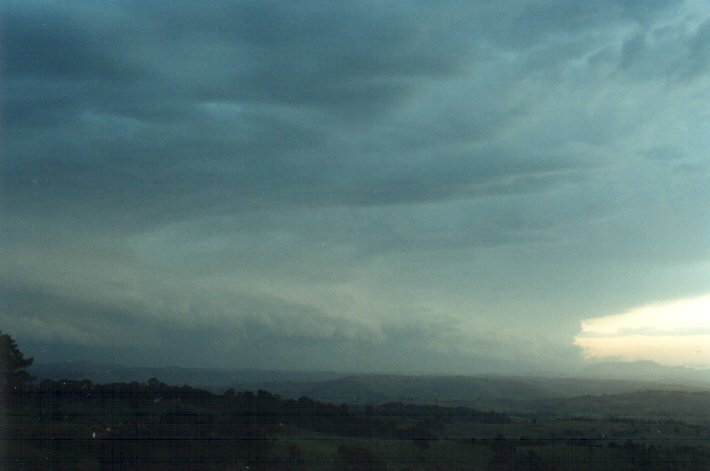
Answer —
12 365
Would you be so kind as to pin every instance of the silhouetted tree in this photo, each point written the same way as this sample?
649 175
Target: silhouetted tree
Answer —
13 376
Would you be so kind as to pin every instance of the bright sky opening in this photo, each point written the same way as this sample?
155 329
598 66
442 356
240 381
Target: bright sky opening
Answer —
671 333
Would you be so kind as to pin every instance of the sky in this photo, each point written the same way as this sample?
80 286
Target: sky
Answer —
430 186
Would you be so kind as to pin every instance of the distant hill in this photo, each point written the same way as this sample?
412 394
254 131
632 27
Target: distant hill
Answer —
482 392
646 370
690 406
500 393
213 379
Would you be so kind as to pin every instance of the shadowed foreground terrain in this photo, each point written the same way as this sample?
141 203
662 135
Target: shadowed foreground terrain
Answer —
70 424
79 425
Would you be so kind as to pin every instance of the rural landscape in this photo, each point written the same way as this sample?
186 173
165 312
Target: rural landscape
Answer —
388 235
379 422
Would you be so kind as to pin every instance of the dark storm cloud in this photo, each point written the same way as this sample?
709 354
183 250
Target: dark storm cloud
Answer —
54 317
96 320
565 17
300 176
312 54
54 43
130 100
676 54
127 98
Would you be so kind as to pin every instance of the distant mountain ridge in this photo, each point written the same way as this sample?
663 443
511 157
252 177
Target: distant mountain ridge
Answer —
213 379
645 370
511 393
483 392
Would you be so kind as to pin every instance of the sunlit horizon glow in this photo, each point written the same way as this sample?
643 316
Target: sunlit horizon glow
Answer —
673 333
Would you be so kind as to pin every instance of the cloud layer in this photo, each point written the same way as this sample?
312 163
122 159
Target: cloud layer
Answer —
422 185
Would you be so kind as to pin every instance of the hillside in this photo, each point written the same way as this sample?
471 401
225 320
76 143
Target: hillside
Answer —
487 392
213 379
589 396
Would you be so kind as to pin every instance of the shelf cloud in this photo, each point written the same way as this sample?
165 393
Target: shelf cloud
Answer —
440 186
